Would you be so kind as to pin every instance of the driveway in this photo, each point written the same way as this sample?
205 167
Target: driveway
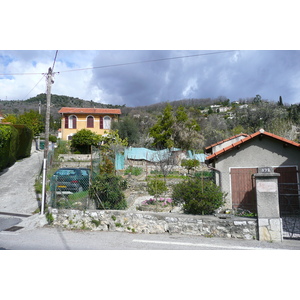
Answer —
17 194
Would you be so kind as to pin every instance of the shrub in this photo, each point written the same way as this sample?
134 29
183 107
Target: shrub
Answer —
8 146
136 171
190 164
107 190
25 136
156 187
198 196
83 140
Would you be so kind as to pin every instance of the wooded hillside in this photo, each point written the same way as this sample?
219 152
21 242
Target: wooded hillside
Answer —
218 118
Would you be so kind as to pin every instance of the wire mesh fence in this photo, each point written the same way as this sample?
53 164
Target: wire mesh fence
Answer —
69 188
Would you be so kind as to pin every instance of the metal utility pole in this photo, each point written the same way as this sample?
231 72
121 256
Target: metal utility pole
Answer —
50 81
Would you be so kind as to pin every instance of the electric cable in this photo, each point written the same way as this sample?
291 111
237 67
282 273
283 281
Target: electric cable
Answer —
34 87
124 64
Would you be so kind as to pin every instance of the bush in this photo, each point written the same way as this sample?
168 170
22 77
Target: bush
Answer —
107 190
156 187
25 136
198 196
190 164
83 140
135 171
8 146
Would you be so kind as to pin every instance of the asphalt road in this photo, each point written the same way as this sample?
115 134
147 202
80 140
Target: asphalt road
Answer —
49 238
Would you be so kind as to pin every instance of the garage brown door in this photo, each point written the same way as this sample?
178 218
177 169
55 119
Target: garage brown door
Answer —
243 188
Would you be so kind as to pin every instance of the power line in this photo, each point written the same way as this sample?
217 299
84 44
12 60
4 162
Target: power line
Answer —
34 87
147 61
123 64
54 60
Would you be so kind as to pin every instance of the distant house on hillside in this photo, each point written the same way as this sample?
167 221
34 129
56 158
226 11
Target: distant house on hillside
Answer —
1 117
97 120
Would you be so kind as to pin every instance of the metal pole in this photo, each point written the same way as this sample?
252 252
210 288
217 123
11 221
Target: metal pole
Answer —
44 186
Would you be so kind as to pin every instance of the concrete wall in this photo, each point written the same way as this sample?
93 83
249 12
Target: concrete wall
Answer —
254 154
147 222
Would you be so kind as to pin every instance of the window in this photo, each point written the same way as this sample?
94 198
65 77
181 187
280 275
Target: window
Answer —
90 122
106 122
70 122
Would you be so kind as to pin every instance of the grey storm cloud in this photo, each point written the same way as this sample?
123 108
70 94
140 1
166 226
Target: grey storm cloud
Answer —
235 75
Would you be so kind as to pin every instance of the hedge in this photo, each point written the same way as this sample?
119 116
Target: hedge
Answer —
25 141
15 143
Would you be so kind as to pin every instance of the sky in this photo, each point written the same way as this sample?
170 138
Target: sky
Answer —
143 77
137 53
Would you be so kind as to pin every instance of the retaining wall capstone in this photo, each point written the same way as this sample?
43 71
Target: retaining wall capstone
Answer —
148 222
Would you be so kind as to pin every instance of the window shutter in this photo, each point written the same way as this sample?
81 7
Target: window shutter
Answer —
66 122
101 122
74 122
90 122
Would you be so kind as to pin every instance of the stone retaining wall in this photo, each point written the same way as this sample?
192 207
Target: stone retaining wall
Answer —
148 222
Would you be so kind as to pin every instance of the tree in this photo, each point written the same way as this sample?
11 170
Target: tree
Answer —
127 129
190 164
10 118
83 140
33 120
186 131
162 131
176 130
280 103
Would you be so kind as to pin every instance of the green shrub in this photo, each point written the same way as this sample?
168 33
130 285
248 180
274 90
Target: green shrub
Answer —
25 136
52 138
198 196
156 187
136 171
83 140
8 146
107 190
190 164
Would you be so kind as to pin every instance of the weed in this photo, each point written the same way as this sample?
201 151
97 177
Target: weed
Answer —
96 222
49 218
118 224
113 217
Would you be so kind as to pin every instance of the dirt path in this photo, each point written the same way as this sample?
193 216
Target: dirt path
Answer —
17 194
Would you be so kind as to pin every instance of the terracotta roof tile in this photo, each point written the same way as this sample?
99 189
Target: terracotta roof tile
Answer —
246 139
79 110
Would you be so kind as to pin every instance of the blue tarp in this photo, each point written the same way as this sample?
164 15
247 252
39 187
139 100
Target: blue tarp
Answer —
149 155
146 154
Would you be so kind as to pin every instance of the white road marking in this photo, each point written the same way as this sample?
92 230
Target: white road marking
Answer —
201 245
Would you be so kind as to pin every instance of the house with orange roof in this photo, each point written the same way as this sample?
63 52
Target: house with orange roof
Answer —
237 159
97 120
1 117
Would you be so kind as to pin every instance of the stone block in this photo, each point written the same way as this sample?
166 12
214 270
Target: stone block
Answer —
264 234
240 222
275 225
263 222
